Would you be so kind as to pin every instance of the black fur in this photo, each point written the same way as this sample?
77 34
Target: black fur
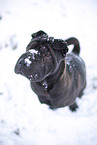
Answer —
55 76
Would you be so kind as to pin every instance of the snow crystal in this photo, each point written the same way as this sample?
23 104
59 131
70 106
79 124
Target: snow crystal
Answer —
27 61
45 85
35 76
33 51
31 77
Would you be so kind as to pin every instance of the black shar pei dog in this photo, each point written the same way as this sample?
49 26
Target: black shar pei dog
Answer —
56 77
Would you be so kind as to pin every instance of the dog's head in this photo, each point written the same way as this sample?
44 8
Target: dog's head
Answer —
42 57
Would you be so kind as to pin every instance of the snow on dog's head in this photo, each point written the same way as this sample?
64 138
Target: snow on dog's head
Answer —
41 57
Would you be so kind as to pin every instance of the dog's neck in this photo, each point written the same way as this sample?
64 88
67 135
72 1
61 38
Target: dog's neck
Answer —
50 81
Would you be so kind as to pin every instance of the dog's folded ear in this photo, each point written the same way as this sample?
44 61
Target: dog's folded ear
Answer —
39 33
60 44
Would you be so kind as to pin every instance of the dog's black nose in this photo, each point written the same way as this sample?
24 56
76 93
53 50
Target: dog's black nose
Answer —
19 66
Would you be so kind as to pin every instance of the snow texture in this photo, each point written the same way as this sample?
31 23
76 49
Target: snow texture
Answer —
28 61
23 120
33 51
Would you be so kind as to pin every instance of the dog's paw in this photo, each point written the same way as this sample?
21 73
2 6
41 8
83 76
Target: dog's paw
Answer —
73 107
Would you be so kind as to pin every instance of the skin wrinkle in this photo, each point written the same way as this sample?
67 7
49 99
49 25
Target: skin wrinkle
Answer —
55 76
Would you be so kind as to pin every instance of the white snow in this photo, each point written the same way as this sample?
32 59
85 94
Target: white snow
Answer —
28 61
23 120
33 51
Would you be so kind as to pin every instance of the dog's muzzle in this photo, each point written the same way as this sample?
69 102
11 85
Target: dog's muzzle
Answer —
34 66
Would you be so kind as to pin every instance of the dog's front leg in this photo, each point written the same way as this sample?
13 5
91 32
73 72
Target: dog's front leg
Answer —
73 107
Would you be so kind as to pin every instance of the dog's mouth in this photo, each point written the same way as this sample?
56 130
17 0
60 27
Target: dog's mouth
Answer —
36 74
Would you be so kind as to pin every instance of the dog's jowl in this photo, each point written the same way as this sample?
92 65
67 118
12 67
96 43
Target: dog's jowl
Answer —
55 75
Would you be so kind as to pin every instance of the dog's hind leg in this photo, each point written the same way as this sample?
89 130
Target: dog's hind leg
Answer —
82 91
73 107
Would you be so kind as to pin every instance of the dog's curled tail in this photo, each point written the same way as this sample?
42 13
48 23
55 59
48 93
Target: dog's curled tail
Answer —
75 42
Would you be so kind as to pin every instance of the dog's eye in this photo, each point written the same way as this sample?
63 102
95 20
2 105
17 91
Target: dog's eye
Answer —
64 51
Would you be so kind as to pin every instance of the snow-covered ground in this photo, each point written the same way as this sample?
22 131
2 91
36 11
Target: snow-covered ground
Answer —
23 120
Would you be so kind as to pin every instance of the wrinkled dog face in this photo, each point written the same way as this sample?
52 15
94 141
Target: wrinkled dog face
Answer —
40 58
35 65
